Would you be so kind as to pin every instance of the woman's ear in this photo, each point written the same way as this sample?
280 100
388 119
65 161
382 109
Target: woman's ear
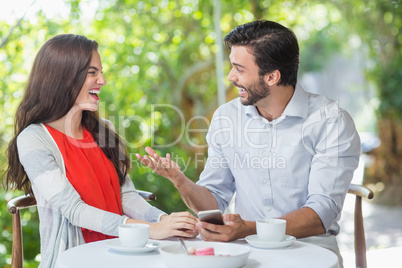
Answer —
273 78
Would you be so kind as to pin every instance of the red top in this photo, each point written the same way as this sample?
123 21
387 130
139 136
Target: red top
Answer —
92 175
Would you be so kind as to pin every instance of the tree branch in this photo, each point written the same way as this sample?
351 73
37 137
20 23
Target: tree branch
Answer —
17 24
191 72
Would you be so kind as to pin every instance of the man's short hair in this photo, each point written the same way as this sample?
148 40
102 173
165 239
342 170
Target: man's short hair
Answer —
274 47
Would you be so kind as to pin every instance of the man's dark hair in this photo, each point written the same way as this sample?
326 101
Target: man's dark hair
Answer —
274 47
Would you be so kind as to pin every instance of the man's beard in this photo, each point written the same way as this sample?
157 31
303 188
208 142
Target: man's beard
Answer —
255 92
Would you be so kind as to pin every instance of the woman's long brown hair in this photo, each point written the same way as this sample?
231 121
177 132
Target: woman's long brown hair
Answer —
57 76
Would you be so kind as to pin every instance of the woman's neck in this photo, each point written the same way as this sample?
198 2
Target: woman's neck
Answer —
69 124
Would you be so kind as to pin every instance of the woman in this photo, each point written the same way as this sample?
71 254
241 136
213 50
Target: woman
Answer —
72 160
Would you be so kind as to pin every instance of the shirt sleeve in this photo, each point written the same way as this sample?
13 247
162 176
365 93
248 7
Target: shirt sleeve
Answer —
217 176
337 152
49 181
135 206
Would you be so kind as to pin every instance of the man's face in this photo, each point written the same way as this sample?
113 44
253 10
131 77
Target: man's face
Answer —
244 75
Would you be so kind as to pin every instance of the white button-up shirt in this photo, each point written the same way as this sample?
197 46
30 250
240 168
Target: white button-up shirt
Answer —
304 158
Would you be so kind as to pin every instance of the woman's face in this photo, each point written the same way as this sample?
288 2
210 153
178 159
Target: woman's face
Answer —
88 98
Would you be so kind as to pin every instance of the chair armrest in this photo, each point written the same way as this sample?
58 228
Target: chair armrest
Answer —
147 195
26 201
361 191
20 202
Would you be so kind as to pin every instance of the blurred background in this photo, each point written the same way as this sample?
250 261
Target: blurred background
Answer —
160 61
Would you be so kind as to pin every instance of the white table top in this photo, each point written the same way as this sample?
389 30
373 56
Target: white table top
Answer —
98 254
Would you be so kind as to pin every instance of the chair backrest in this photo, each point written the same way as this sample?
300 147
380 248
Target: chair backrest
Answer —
360 191
25 201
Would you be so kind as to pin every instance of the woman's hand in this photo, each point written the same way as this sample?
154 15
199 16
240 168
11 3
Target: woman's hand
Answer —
175 224
165 167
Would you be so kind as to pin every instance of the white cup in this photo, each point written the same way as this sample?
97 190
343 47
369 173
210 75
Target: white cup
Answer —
134 234
271 230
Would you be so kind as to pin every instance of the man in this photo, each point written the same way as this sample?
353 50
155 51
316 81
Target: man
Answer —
285 153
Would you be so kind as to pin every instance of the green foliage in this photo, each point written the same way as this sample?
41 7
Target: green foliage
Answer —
390 79
158 60
378 24
317 50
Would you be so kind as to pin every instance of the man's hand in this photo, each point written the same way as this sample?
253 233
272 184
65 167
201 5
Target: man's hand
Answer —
195 196
165 167
235 227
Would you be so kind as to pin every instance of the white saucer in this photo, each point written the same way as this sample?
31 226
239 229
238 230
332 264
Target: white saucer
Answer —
117 246
255 242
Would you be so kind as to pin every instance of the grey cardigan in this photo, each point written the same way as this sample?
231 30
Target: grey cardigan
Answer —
62 213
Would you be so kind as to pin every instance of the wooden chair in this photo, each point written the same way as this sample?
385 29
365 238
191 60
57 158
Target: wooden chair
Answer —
360 241
26 201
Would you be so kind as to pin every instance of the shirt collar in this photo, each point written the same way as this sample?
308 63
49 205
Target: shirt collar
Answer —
297 106
251 110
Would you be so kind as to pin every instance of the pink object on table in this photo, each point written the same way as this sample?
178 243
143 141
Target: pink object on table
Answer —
205 251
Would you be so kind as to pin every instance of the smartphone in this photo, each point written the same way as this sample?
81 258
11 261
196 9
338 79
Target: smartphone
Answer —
213 216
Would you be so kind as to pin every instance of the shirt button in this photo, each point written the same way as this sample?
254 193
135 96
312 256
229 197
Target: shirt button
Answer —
264 181
268 208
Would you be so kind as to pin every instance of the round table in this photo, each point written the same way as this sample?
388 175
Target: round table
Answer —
98 254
